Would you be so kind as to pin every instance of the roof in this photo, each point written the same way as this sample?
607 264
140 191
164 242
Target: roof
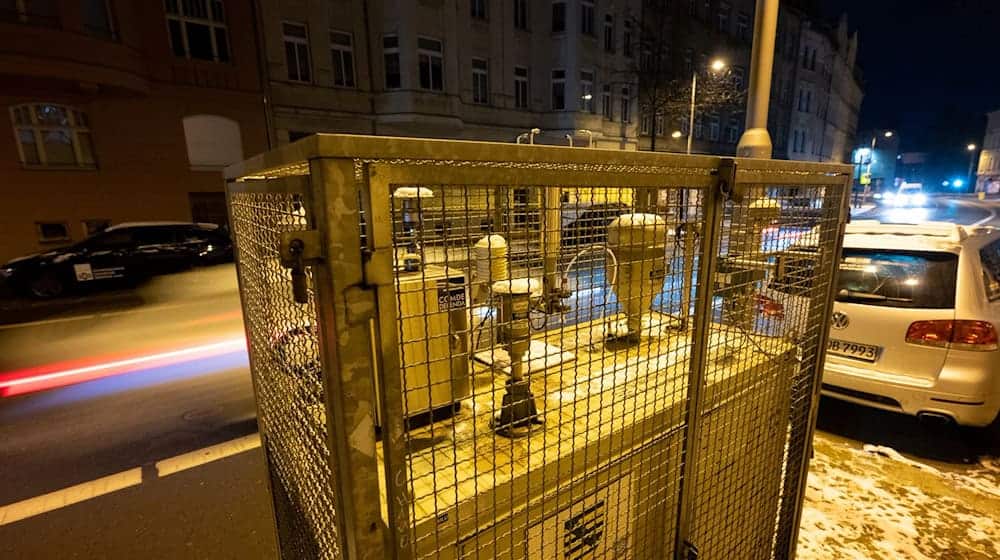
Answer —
124 225
863 234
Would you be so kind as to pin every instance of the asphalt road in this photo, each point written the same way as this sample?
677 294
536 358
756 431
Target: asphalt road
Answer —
176 380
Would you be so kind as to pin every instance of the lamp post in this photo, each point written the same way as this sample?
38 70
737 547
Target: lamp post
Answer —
717 65
756 141
972 160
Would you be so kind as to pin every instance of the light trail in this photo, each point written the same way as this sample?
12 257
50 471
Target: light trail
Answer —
50 376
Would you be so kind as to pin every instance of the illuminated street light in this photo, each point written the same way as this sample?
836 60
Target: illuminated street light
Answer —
971 147
676 134
888 134
717 65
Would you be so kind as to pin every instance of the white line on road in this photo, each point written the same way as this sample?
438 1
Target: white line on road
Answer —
133 477
69 496
199 457
974 204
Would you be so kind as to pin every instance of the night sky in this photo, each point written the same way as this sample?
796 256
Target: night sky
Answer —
931 69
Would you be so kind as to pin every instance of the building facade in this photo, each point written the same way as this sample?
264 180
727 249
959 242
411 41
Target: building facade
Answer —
988 171
116 112
485 70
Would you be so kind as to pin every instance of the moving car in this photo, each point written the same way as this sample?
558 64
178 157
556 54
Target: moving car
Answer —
909 195
914 324
121 253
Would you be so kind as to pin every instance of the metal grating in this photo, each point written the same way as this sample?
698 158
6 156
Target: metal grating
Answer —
669 340
284 347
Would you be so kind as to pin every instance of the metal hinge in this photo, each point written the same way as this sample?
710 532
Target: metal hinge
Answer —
725 180
299 249
689 551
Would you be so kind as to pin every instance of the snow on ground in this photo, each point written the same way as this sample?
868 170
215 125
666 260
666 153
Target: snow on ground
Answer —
873 503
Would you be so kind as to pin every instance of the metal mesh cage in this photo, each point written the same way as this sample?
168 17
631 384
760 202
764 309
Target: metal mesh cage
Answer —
496 351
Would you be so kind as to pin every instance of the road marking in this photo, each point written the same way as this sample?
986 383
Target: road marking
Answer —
84 491
199 457
95 315
69 496
975 204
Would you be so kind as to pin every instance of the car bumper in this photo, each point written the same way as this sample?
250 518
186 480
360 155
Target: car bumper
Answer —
970 399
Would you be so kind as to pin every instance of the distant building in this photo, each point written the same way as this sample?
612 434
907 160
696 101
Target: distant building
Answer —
827 94
881 161
988 171
118 112
453 69
912 167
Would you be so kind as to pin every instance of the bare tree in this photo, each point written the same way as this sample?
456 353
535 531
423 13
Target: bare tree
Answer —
665 88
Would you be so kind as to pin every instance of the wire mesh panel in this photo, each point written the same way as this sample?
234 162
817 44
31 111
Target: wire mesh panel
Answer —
284 347
577 353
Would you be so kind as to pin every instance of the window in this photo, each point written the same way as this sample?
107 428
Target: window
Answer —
52 135
480 81
431 63
713 128
587 104
197 29
733 130
802 100
809 101
645 124
521 14
97 20
739 77
805 57
723 17
390 57
627 40
558 17
94 225
342 53
699 127
990 257
478 9
743 26
609 33
296 39
606 102
558 90
658 125
520 87
587 17
884 278
812 60
52 232
626 106
213 141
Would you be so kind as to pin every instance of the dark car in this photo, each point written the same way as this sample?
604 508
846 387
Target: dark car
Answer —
120 254
588 224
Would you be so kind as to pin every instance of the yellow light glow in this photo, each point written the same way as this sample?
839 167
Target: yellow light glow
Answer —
911 281
888 134
676 134
718 65
871 269
971 147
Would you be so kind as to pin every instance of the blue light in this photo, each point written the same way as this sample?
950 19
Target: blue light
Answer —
957 183
945 183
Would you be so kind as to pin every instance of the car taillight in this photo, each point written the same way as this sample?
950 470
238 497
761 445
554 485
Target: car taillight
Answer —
961 335
769 307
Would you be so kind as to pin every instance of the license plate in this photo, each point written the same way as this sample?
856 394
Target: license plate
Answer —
865 352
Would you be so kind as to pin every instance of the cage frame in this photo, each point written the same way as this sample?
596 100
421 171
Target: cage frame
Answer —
353 283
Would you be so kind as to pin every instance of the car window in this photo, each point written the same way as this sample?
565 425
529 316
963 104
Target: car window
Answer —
155 236
888 278
990 258
110 239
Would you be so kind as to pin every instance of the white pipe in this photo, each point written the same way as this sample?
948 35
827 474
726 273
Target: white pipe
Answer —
569 137
590 136
532 133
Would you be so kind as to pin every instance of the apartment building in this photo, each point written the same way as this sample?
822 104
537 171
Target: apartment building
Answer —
474 69
119 112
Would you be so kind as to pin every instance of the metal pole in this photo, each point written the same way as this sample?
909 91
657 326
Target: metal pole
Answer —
756 142
694 88
569 138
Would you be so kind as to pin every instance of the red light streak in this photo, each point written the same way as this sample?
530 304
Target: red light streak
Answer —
60 374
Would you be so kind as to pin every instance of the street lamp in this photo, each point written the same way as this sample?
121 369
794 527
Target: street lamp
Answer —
717 65
677 134
972 161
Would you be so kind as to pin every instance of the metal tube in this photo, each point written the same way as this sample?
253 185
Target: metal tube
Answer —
694 88
569 137
551 242
590 136
755 141
707 261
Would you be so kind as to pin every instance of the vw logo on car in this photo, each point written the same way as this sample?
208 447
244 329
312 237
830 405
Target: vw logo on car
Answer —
839 320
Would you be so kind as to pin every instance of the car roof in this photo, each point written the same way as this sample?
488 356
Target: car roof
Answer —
927 236
126 225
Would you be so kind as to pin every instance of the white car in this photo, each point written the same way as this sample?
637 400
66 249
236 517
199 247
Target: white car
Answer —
914 325
909 195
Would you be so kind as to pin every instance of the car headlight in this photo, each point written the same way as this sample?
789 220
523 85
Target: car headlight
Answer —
6 272
919 199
